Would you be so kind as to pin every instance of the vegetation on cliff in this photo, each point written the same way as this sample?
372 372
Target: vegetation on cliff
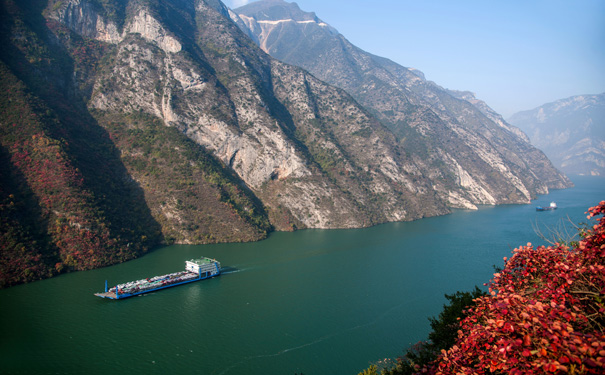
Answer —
193 197
545 314
82 189
57 191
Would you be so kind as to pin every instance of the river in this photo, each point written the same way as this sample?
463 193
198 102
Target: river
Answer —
312 301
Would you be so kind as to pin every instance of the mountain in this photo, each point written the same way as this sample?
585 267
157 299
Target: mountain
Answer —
570 131
474 156
131 123
127 124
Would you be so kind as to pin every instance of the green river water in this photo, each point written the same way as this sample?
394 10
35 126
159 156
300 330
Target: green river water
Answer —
312 301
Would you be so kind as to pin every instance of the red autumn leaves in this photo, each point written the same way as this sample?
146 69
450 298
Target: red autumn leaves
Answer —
546 313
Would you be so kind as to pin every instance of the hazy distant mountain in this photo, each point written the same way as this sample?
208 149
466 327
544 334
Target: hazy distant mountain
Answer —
447 131
570 131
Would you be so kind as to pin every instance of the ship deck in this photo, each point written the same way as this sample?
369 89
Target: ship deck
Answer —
111 295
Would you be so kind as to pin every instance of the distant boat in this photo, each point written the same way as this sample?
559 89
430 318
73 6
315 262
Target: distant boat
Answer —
553 206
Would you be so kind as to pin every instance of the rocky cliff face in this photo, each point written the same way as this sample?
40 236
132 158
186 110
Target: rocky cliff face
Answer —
570 131
162 120
292 139
475 156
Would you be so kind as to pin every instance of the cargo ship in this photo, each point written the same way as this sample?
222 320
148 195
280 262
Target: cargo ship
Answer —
553 206
195 270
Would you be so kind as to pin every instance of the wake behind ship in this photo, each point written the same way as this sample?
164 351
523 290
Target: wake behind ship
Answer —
195 270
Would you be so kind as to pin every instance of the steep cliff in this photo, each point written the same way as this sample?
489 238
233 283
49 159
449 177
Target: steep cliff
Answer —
126 124
83 188
475 156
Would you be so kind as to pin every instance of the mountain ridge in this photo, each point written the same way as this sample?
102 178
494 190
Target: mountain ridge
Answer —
416 110
570 131
165 123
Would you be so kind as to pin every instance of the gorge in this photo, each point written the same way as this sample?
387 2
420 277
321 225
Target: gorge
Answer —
128 124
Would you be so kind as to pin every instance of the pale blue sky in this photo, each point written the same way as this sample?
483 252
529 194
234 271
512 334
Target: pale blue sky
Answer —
515 55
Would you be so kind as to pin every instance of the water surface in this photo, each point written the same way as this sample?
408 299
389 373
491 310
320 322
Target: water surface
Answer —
313 301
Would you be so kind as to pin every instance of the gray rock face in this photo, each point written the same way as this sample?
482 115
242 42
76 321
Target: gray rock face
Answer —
82 17
308 150
570 131
475 157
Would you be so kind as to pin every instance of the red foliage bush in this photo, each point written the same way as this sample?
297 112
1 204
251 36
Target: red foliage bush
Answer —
546 313
50 218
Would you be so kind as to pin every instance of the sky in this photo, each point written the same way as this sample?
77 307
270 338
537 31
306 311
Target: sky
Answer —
513 54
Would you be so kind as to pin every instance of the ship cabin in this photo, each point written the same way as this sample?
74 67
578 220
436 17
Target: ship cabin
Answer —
205 267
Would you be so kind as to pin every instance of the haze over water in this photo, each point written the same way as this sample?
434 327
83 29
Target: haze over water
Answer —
313 301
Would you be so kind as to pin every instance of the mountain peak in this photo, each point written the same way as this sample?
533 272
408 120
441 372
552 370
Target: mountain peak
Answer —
268 18
275 10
